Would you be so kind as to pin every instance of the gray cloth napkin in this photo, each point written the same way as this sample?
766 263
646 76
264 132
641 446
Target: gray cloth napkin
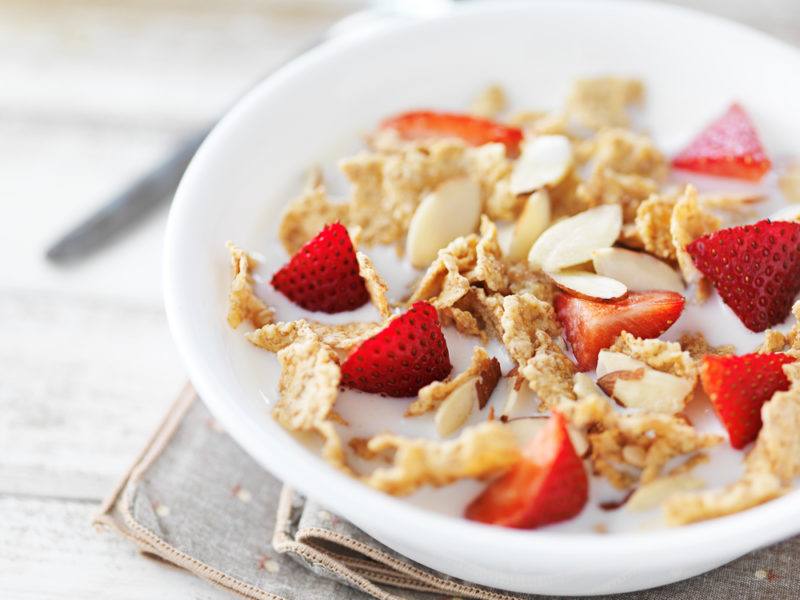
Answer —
195 499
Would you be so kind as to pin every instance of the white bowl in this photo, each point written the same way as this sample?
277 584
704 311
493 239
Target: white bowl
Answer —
693 64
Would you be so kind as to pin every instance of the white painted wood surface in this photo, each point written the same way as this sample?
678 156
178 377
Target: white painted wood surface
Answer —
91 93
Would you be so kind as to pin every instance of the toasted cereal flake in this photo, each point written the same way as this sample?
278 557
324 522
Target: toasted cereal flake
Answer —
690 221
523 316
243 304
489 268
793 337
525 279
305 216
660 355
489 103
309 385
629 237
697 346
433 394
730 200
631 448
464 321
492 169
376 286
751 490
602 102
386 188
774 341
536 122
660 489
606 186
549 372
479 451
778 443
346 336
653 217
628 153
569 197
487 308
443 282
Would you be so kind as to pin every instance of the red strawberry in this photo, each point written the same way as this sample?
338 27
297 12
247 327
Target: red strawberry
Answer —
408 354
739 385
547 485
473 130
591 325
323 274
755 268
728 147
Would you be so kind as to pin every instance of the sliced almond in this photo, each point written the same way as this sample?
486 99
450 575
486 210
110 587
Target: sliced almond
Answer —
487 380
532 221
652 494
787 213
579 442
583 386
640 272
647 389
526 428
545 160
588 285
454 410
572 241
608 362
450 211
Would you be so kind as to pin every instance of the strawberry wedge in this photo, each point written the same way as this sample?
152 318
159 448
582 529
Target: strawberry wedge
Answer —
592 325
739 386
755 268
547 485
408 354
728 147
475 131
324 275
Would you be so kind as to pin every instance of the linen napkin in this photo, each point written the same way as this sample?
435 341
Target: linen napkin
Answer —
195 499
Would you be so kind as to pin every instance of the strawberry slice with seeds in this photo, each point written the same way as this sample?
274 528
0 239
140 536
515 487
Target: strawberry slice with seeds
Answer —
323 275
475 131
547 485
408 354
591 325
755 268
728 147
739 385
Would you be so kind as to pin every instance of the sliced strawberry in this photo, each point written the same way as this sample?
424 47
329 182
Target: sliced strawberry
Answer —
739 385
755 268
728 147
547 485
408 354
591 325
473 130
323 275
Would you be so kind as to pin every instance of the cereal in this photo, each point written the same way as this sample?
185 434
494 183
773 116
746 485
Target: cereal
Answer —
479 451
489 103
697 346
628 153
549 372
689 221
277 336
662 356
653 218
523 315
243 304
305 217
309 385
489 268
434 393
376 286
603 102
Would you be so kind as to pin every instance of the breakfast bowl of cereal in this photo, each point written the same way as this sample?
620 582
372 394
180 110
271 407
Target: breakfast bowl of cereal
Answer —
512 289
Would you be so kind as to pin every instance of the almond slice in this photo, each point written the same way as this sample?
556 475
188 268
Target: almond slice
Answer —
588 285
639 271
608 362
647 389
532 221
787 213
572 241
545 160
454 410
526 428
450 211
654 493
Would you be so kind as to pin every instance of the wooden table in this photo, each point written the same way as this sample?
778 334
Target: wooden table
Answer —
91 93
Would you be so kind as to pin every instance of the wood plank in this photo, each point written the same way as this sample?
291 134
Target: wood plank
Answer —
85 381
49 551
